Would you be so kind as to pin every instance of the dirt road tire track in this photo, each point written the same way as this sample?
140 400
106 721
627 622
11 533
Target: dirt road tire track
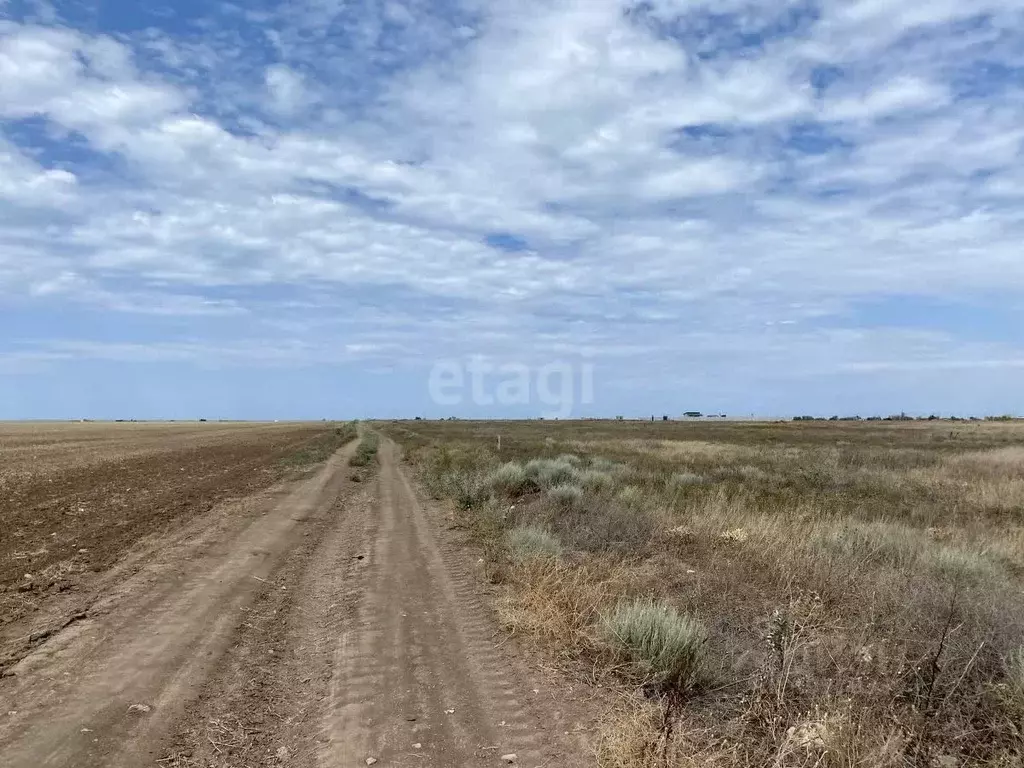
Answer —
154 639
341 622
420 661
262 705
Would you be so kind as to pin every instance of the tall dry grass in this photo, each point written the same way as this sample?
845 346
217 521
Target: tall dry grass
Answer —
861 585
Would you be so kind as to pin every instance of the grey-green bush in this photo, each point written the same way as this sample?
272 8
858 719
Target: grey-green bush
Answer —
597 481
681 480
631 497
529 541
509 479
565 496
664 645
549 472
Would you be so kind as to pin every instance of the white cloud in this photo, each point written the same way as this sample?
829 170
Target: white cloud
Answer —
24 183
666 182
79 82
899 94
286 90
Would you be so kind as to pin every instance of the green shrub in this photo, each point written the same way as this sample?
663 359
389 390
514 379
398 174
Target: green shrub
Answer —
596 480
366 451
549 472
530 541
631 497
509 479
565 496
681 480
663 644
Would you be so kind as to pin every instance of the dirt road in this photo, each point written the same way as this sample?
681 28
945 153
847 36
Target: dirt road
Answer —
323 623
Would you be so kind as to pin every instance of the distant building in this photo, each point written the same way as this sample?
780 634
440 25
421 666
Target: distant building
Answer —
693 414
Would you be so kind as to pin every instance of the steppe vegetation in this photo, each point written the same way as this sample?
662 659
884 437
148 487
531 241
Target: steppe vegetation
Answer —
366 451
760 594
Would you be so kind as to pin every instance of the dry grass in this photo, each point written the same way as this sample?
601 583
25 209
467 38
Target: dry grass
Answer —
557 604
862 585
366 451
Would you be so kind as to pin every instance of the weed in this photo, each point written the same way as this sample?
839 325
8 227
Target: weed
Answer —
1015 677
631 497
557 603
529 541
597 481
665 645
681 480
466 488
366 451
862 581
565 496
877 542
549 472
604 526
321 447
509 479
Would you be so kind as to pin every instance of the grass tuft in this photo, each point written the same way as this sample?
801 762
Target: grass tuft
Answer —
366 451
631 497
680 480
530 541
549 472
565 496
597 481
510 479
1015 677
665 645
570 458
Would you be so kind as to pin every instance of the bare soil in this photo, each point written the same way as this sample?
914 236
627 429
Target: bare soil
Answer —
75 499
314 622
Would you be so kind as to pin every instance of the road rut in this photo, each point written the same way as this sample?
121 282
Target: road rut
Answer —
321 624
109 687
420 676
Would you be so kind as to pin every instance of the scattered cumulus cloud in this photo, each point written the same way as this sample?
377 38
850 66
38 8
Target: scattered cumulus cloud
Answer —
689 192
286 90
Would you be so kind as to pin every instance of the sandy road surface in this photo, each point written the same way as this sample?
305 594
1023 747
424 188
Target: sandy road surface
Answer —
316 624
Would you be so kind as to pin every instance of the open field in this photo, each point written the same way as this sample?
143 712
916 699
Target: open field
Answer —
760 594
247 595
75 497
626 595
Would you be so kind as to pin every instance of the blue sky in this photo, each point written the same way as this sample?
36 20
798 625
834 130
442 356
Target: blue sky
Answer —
298 210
